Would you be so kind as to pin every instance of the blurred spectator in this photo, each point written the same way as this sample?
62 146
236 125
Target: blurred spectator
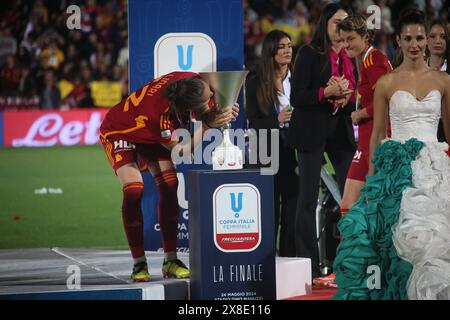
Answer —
304 28
86 21
253 35
122 60
80 96
28 51
438 46
40 12
100 56
384 45
8 44
86 73
26 86
386 17
438 54
361 5
105 22
54 64
445 11
51 56
92 8
51 95
9 76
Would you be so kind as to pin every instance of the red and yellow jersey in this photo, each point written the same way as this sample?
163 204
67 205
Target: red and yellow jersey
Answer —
374 65
145 115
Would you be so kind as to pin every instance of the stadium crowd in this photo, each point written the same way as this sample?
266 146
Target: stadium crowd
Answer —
44 64
300 17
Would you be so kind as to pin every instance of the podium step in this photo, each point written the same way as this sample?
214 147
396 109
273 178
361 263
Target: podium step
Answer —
44 274
47 274
293 277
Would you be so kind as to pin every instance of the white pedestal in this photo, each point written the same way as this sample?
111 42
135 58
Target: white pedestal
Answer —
293 277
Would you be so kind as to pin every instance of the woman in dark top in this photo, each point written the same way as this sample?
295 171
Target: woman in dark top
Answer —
322 84
268 107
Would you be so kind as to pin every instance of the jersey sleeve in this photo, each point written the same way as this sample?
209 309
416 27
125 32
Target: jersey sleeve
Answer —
167 125
374 66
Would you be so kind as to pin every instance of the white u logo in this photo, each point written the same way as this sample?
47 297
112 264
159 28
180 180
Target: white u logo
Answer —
185 66
238 208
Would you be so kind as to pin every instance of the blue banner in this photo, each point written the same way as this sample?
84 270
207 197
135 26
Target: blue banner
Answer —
232 248
184 35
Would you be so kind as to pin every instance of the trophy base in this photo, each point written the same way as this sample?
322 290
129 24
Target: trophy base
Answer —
227 158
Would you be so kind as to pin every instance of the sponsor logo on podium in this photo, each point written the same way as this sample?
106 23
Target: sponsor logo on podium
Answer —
237 217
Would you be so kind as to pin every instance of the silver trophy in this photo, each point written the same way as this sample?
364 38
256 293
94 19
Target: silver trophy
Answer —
226 86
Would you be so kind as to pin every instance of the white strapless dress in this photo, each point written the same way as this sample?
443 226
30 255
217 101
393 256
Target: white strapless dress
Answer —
422 234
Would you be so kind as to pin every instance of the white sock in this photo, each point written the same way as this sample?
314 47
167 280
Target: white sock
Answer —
139 260
168 256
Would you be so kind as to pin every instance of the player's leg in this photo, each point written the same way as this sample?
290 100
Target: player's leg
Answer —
132 188
352 191
122 157
356 179
165 176
159 163
351 194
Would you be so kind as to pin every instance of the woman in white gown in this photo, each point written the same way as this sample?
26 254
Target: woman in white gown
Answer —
396 238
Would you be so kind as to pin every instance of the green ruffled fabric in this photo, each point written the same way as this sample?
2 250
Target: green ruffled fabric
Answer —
366 229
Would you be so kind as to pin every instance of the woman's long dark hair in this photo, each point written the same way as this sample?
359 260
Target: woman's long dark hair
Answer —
443 24
266 92
407 17
321 42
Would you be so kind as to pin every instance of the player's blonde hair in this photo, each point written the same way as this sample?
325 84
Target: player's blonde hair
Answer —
358 23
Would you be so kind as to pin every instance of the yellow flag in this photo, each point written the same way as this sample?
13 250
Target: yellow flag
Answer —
106 93
65 87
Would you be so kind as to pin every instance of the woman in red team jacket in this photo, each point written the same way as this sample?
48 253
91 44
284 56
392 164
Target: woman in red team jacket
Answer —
372 64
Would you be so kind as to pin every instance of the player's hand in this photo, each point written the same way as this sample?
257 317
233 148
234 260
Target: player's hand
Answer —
235 111
356 118
221 117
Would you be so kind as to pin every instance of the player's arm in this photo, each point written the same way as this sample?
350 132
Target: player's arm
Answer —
445 115
380 118
215 119
373 72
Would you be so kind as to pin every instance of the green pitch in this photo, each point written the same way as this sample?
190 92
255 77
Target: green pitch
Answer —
86 214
